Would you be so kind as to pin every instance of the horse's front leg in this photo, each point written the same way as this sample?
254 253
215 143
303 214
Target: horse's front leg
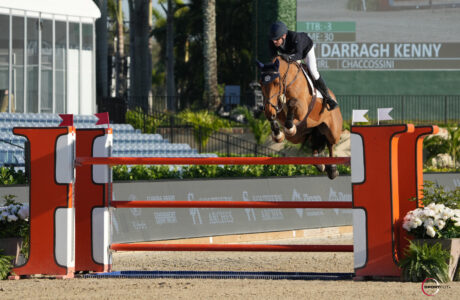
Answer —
277 134
289 128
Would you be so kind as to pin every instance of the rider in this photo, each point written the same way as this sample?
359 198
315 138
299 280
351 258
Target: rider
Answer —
294 46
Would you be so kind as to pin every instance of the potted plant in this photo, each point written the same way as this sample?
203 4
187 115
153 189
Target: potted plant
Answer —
436 229
14 232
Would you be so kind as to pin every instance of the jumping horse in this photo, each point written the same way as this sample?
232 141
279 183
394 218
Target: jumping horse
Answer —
291 100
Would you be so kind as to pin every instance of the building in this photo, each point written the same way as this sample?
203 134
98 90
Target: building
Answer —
47 56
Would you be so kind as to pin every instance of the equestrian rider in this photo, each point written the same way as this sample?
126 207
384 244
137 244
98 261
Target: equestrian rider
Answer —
293 46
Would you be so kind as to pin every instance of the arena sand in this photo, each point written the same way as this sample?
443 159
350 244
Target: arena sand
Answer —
80 288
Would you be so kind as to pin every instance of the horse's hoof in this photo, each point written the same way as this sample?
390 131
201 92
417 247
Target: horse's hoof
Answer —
320 168
278 138
332 171
290 131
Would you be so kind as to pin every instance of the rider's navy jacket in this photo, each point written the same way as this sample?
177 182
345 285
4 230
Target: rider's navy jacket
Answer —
297 45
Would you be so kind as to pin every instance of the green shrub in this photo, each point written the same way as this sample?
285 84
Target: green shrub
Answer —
148 124
204 124
424 261
10 176
434 193
5 265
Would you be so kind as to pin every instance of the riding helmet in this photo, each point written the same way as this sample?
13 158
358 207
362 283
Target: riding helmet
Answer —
277 30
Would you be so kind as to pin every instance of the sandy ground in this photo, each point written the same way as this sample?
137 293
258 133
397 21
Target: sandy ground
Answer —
80 288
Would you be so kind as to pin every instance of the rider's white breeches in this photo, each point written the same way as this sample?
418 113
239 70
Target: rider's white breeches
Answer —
310 60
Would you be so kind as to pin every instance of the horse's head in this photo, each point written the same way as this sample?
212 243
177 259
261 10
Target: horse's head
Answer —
271 87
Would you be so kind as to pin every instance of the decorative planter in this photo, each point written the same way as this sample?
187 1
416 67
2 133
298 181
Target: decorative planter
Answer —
450 245
12 247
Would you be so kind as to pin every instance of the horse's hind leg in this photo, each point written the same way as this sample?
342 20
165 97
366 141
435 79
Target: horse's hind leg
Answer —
331 170
277 134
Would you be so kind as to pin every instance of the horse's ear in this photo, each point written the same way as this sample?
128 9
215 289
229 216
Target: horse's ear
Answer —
276 64
259 64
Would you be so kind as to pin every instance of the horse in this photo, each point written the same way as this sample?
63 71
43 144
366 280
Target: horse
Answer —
290 100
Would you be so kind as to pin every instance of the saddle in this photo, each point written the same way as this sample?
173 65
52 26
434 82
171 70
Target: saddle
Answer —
315 107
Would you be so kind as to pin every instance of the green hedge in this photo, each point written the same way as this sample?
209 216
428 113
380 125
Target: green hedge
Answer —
214 171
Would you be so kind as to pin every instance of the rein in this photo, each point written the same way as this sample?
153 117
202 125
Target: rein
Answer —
282 91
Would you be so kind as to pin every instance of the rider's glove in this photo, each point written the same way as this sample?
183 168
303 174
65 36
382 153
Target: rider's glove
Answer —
286 57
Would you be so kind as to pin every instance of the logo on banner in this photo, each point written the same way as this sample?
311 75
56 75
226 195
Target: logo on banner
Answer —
194 211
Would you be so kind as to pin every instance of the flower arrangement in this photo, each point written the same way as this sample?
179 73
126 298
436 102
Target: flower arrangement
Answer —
14 219
433 221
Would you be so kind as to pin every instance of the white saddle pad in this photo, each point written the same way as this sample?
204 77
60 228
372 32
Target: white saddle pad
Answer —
310 82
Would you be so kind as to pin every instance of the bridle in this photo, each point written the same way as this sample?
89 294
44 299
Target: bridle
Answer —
282 90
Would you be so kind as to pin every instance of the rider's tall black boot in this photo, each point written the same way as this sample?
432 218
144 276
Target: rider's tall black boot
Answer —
321 86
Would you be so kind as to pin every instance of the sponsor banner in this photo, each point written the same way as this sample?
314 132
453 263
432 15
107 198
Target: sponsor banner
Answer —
149 224
388 56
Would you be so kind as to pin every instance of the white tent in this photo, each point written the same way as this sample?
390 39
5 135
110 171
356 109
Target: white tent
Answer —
75 8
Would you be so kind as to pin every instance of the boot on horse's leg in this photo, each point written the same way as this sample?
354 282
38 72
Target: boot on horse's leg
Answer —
321 86
289 128
277 134
332 171
320 168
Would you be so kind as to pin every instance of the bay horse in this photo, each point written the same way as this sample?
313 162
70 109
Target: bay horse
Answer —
290 100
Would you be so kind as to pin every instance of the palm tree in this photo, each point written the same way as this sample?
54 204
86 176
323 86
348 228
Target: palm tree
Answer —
210 54
102 52
141 60
116 13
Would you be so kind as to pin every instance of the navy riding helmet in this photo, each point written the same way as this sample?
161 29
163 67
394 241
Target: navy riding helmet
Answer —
277 30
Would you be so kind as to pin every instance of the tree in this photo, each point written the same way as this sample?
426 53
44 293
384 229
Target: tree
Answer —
141 60
170 80
116 13
102 77
210 54
233 42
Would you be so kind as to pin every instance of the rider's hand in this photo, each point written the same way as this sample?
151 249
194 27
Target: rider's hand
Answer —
286 57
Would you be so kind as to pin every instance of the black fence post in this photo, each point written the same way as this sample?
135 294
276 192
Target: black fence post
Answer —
228 145
171 125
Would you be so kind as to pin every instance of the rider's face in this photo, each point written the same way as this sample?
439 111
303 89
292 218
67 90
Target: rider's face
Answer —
279 41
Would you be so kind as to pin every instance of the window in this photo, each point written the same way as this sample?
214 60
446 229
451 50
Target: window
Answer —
73 68
4 62
60 71
18 65
32 65
46 80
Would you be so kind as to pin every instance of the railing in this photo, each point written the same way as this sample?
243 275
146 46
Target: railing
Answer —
433 109
180 131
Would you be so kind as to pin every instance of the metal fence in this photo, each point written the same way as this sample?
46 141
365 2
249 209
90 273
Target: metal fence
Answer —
418 109
413 109
179 131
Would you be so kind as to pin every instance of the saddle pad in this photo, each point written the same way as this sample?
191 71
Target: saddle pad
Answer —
309 80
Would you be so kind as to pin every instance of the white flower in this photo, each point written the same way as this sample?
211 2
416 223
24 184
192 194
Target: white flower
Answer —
440 223
12 218
428 223
417 222
407 226
4 215
430 231
23 212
